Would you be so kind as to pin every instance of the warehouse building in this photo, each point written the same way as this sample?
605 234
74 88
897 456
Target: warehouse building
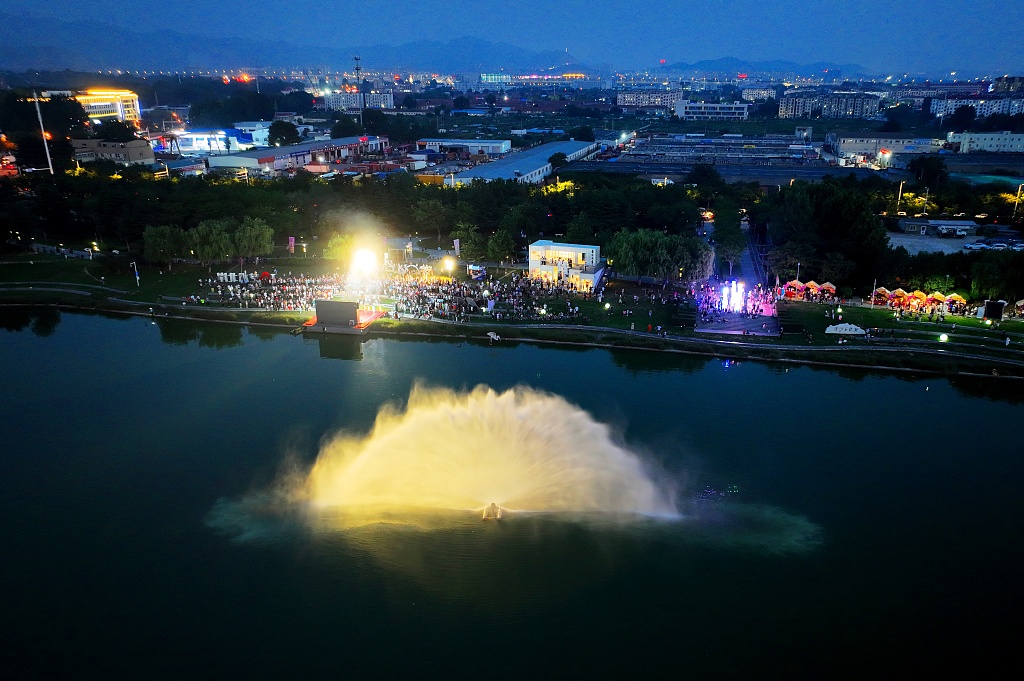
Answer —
529 166
273 159
480 147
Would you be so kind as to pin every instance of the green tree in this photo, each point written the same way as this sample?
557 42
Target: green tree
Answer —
472 245
461 102
115 131
410 102
163 243
340 248
557 160
253 238
963 118
210 241
501 246
931 170
730 242
580 230
346 126
283 133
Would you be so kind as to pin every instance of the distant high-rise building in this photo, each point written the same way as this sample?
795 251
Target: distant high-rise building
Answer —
664 98
1007 85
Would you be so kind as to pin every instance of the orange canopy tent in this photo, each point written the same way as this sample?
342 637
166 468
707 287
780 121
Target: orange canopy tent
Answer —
899 293
920 295
956 297
796 283
883 291
828 286
813 285
937 297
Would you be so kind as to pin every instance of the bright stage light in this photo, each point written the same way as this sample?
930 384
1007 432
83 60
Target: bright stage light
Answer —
449 264
364 262
943 338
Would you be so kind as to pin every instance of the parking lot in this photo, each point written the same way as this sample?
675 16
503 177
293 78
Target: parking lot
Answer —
917 243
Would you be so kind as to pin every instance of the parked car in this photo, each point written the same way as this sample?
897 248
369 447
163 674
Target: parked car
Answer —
976 246
997 247
1017 247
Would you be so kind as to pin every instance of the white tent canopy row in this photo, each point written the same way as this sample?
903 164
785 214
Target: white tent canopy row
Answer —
846 329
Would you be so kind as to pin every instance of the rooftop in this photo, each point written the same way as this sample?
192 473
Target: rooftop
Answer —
523 163
305 147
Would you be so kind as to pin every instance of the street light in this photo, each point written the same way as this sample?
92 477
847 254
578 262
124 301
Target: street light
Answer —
898 197
1017 202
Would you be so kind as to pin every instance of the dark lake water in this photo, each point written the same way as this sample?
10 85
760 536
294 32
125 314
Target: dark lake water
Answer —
876 529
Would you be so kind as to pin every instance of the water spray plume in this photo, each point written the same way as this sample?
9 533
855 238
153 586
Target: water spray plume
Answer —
522 449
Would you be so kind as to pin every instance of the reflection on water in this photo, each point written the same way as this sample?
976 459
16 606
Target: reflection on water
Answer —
638 361
340 347
42 321
578 504
207 334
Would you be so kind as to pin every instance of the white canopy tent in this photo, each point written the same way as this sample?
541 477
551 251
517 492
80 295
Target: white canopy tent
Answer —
846 329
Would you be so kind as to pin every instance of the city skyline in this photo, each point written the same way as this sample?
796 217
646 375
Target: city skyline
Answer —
914 38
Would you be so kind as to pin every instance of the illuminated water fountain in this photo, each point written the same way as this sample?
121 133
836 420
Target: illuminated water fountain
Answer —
522 450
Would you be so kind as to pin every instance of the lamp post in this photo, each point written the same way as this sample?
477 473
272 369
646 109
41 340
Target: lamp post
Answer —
898 197
1016 203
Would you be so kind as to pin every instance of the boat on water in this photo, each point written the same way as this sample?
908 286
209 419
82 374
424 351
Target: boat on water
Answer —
492 512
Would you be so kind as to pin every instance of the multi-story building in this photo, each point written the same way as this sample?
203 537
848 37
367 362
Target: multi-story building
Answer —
133 152
757 94
1007 85
832 105
846 105
982 107
967 142
664 98
701 111
101 105
378 100
348 101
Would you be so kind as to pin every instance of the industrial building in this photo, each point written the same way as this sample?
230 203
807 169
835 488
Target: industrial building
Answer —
1001 142
674 149
273 159
528 166
873 146
700 111
481 147
575 265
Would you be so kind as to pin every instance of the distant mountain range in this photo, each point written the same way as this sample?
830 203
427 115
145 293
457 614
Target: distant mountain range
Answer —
731 66
49 44
35 43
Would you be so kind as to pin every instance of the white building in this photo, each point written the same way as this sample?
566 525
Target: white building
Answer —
350 101
983 108
379 100
700 111
489 147
574 265
872 146
275 159
757 94
101 105
664 98
967 142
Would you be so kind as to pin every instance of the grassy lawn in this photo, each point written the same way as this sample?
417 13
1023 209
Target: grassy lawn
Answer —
810 316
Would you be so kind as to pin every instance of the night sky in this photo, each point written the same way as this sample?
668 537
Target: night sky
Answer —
982 37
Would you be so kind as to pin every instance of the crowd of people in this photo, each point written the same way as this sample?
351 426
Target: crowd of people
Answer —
267 291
